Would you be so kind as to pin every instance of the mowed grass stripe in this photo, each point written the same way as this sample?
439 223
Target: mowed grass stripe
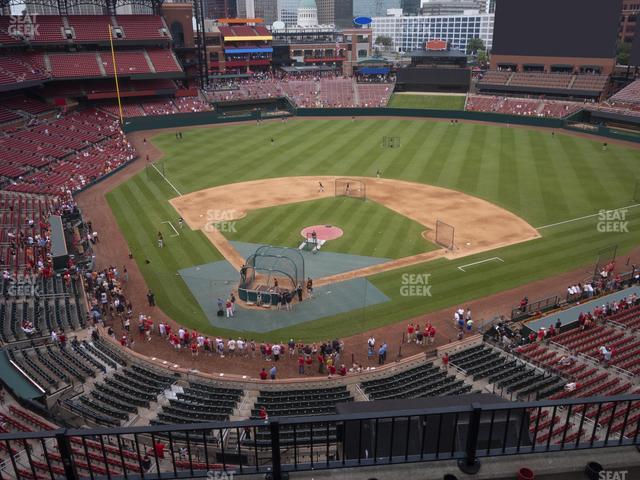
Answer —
508 191
331 157
488 173
469 168
531 196
589 176
440 155
552 192
399 162
365 159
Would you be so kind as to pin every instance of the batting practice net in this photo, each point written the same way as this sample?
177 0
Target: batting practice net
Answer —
348 187
390 142
445 234
605 262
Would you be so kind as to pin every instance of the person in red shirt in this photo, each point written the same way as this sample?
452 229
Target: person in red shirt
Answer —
308 361
263 413
445 361
320 363
263 374
301 365
432 334
158 449
332 370
343 370
194 349
123 341
411 330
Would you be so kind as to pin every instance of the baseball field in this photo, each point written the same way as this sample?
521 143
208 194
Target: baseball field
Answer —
555 183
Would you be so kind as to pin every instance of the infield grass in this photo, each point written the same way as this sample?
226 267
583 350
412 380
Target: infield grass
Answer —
544 179
432 102
369 228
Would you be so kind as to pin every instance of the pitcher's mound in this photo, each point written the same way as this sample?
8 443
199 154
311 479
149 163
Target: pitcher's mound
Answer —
323 232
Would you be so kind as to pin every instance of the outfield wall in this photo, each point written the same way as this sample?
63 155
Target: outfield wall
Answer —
182 120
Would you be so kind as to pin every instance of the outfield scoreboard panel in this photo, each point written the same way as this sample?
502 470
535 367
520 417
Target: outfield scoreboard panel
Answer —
552 28
433 79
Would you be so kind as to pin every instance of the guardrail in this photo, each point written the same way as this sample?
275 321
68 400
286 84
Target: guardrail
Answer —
466 433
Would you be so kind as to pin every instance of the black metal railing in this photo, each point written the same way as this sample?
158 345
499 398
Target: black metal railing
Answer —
466 433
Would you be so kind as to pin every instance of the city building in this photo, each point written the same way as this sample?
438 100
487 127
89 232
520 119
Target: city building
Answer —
373 8
288 11
628 18
410 7
237 46
322 46
452 7
335 12
246 8
215 9
307 13
409 33
265 9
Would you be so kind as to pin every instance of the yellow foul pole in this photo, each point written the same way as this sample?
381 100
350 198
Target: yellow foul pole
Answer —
115 74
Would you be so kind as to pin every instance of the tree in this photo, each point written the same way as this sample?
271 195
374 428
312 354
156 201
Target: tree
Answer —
483 58
475 45
623 54
384 41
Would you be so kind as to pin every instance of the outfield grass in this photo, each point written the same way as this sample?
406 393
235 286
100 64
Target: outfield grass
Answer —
433 102
545 179
369 228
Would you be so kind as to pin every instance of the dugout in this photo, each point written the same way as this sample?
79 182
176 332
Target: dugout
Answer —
59 252
263 268
441 433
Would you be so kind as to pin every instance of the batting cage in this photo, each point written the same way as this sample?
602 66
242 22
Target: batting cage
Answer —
445 234
390 142
349 187
270 272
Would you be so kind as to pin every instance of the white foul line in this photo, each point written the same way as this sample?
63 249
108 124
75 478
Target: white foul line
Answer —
461 268
586 216
174 229
166 179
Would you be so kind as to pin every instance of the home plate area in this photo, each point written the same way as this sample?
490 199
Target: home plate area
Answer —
316 236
